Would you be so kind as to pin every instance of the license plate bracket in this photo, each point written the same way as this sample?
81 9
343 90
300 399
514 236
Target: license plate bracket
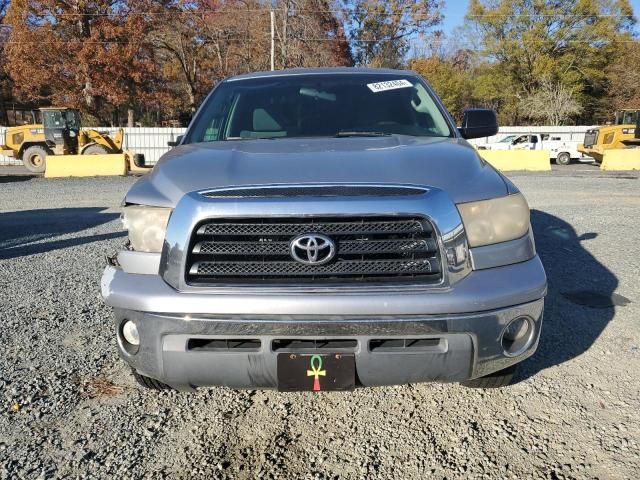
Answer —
316 371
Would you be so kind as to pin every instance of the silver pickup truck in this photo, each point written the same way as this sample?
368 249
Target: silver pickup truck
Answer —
326 229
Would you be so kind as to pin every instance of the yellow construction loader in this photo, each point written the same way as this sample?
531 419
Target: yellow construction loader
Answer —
598 140
61 142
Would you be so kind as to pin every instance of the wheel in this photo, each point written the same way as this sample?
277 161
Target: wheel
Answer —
563 158
498 379
35 159
96 149
150 383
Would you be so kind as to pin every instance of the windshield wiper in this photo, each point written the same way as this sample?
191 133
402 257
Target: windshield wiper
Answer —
355 133
251 138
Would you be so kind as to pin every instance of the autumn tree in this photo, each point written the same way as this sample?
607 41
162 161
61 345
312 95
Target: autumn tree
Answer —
5 83
126 72
182 51
381 30
237 33
623 76
201 41
90 55
308 34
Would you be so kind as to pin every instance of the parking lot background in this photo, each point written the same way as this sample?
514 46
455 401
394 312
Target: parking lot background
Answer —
152 141
69 407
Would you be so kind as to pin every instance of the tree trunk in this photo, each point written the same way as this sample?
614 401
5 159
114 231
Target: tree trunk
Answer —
192 99
283 40
84 32
87 91
130 118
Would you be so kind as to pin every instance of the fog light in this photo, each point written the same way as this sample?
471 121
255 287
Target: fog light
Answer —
130 333
517 336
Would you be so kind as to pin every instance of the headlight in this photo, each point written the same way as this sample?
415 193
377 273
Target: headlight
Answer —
496 220
147 226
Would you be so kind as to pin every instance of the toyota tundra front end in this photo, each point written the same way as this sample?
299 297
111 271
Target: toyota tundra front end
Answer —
322 230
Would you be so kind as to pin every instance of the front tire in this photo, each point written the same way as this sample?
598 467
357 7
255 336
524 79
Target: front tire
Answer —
498 379
150 383
96 149
35 159
563 158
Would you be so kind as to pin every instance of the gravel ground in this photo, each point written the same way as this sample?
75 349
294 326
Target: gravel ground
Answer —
70 409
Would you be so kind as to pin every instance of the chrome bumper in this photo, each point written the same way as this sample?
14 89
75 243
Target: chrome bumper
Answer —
461 347
467 321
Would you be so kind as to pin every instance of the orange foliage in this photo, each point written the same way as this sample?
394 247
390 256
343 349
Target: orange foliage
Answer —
157 55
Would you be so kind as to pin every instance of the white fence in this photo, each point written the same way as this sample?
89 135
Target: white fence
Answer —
152 142
576 132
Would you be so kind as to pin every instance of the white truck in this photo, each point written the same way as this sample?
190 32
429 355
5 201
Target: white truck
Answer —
562 149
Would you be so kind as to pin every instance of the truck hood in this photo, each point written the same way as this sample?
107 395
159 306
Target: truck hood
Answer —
450 164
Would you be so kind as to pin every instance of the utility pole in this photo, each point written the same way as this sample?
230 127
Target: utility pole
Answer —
283 39
273 39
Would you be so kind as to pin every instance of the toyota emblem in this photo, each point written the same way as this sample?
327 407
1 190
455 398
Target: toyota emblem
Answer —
313 249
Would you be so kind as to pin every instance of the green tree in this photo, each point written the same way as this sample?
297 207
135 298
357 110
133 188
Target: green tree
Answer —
450 78
561 41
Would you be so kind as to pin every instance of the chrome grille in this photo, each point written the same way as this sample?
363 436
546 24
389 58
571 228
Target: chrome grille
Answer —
369 249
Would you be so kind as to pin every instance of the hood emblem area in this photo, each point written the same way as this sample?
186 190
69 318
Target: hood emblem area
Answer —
312 249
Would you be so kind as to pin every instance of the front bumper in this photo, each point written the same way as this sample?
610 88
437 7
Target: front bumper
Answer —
463 324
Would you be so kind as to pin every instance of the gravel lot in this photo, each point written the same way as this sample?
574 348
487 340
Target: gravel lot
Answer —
70 409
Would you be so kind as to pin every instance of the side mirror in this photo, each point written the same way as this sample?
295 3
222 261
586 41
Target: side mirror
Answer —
176 142
479 122
534 139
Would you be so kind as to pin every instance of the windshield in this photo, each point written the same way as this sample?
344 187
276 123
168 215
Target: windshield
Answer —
319 105
508 138
61 119
627 117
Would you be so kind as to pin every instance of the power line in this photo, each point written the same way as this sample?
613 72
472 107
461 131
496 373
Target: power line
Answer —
306 39
330 11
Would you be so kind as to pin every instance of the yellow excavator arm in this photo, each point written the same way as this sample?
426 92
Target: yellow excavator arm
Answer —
113 144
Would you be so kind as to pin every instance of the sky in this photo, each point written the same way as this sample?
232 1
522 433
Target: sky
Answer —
455 10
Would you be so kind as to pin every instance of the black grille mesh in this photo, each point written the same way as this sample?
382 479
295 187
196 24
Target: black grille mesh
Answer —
284 269
328 228
379 249
315 191
346 247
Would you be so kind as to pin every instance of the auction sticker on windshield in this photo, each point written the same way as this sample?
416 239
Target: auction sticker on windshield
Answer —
389 85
